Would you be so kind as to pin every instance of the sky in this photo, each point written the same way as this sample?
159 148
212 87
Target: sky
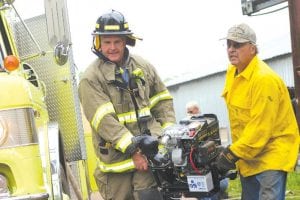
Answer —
179 36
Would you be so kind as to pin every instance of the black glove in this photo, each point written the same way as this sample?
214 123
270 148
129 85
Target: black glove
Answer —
226 160
146 143
160 159
133 147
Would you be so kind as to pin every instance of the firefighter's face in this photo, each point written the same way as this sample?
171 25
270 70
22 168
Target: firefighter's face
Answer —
240 54
113 47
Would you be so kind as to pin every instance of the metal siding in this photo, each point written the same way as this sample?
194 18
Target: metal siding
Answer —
283 66
207 91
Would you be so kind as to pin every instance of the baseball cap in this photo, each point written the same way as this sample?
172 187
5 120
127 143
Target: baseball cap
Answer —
241 33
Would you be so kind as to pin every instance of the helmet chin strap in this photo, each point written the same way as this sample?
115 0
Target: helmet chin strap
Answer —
99 54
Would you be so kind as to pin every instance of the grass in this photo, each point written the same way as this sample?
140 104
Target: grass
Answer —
292 187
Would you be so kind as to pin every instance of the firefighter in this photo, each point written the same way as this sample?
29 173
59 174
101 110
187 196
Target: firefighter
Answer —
265 135
128 106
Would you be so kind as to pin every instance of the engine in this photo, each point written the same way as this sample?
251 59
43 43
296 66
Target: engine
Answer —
186 163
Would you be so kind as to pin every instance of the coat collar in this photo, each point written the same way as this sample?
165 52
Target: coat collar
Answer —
247 72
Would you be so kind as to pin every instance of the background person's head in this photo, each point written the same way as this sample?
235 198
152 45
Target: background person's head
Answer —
192 108
241 45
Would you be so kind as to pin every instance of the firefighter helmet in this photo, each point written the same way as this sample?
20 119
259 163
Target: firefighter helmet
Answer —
113 23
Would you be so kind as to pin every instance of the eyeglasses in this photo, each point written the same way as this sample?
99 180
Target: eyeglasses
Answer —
235 45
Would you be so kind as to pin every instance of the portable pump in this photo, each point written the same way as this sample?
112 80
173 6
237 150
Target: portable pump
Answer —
186 163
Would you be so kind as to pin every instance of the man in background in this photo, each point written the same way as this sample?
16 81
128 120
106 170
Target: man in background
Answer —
192 109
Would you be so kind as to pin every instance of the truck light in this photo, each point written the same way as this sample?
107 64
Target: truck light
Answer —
3 131
15 134
11 62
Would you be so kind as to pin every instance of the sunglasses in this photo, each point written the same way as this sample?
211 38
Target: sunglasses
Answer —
235 45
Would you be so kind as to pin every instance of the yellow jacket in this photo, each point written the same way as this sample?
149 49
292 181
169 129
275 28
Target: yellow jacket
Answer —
264 129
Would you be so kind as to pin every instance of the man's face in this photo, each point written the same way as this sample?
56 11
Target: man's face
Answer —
240 54
191 111
113 47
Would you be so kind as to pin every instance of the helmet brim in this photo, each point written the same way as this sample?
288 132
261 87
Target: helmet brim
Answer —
130 38
112 33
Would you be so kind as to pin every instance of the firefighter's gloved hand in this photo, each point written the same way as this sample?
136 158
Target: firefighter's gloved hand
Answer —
147 144
135 144
226 160
160 159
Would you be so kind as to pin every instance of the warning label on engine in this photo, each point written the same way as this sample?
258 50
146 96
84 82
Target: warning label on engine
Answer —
200 183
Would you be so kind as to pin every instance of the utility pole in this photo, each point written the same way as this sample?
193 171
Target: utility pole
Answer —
294 12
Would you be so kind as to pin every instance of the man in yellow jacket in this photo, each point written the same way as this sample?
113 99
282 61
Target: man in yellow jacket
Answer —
127 105
265 135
